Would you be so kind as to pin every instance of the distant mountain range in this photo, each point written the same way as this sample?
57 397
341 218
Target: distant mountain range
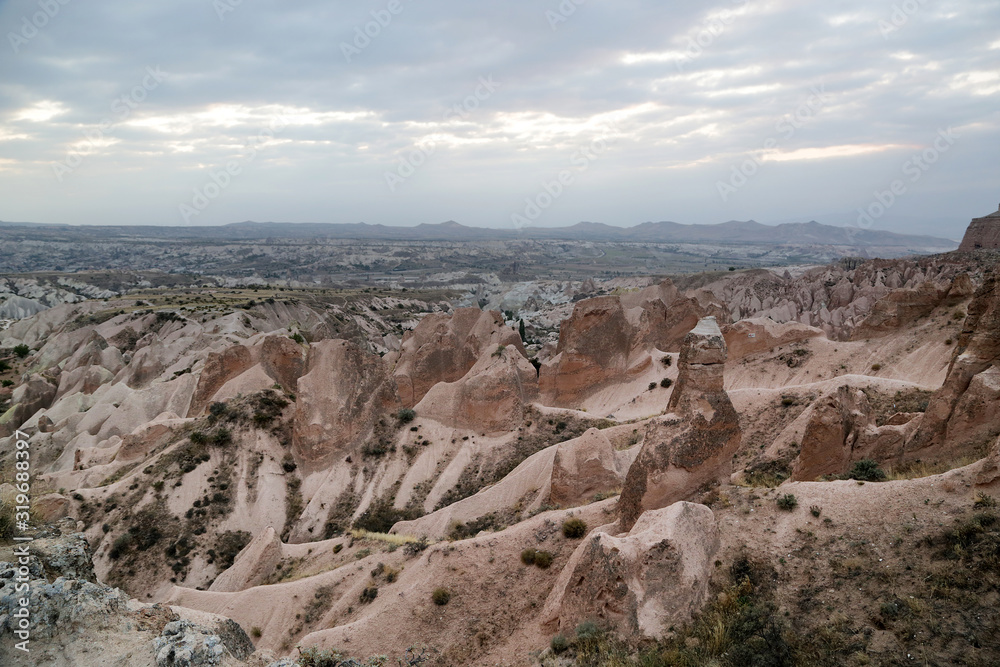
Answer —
733 232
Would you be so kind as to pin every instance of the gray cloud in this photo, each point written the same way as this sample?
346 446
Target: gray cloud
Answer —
685 114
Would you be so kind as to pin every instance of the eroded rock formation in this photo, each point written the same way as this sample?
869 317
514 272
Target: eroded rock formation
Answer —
641 583
694 443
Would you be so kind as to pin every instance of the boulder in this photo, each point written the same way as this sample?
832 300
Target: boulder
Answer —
344 393
640 583
694 443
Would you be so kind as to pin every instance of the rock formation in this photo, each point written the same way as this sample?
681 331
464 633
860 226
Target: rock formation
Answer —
584 467
491 397
748 337
962 413
983 233
642 583
694 443
608 338
443 348
343 394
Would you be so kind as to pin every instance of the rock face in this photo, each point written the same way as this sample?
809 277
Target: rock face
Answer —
443 348
608 338
642 583
695 442
748 337
983 233
840 297
901 307
962 414
584 467
34 395
491 397
342 396
79 622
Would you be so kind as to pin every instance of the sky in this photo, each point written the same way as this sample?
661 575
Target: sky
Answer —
510 113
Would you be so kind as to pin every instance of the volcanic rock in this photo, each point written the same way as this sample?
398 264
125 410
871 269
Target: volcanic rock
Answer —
642 583
443 348
695 442
342 396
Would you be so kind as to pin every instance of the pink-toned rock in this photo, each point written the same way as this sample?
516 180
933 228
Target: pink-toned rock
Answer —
583 467
253 565
642 583
490 398
962 414
343 394
34 395
220 367
443 348
694 443
748 337
283 359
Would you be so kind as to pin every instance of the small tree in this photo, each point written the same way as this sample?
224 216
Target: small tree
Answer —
22 350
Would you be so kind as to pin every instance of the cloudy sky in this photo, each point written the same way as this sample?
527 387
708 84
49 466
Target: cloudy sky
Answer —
400 112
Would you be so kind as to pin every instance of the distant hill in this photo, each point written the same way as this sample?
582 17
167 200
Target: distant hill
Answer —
733 232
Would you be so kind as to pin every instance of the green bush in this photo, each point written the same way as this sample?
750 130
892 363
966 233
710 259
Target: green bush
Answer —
574 528
369 594
528 556
441 596
543 559
866 470
406 415
787 502
22 350
559 644
666 383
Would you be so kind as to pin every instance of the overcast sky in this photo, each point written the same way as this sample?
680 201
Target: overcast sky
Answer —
121 112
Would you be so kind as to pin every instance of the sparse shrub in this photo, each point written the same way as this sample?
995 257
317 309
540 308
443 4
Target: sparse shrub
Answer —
288 463
652 386
7 383
528 556
217 409
441 596
984 501
198 438
787 502
297 337
7 523
866 470
815 510
222 437
369 594
574 528
406 415
876 367
559 644
21 350
587 630
948 341
543 559
667 361
337 548
4 366
120 546
256 632
788 401
666 383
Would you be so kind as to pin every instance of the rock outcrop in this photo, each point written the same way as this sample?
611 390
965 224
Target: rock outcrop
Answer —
983 233
694 443
609 338
962 414
642 583
748 337
583 467
342 396
490 398
34 395
443 348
